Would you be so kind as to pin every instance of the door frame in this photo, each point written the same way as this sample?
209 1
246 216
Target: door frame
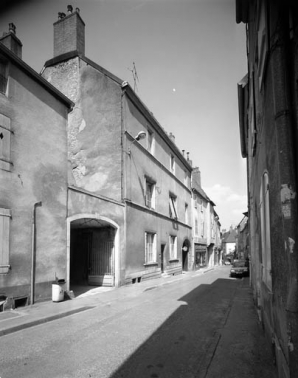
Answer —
116 244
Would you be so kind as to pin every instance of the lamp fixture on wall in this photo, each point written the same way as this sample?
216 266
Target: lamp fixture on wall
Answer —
139 136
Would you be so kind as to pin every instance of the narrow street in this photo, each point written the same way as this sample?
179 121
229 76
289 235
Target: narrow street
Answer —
173 330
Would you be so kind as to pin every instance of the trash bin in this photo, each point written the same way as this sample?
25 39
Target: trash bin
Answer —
58 291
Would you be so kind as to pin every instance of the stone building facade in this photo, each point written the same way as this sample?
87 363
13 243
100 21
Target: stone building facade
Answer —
33 178
128 215
268 110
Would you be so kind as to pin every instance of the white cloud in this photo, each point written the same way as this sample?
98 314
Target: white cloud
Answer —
229 204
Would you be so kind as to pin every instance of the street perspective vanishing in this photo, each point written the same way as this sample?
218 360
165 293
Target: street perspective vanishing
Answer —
116 259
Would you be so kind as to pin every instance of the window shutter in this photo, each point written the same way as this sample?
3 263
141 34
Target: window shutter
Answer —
5 162
5 215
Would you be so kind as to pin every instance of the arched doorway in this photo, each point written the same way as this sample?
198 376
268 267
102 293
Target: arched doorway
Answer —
185 254
92 251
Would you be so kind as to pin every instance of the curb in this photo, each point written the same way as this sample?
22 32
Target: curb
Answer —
49 318
43 320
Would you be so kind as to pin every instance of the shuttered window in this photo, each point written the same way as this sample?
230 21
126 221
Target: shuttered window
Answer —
5 215
150 194
173 207
3 76
5 135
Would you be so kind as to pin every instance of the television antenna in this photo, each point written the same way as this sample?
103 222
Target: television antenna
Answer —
134 76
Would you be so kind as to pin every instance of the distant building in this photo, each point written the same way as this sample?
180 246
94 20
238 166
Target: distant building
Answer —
229 241
206 226
242 238
199 230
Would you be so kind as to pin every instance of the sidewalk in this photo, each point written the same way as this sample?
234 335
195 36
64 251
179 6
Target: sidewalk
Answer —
239 348
29 316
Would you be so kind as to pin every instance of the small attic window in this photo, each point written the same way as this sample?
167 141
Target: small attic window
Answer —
3 76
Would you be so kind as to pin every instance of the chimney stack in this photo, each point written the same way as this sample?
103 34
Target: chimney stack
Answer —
11 41
69 33
188 159
172 137
196 177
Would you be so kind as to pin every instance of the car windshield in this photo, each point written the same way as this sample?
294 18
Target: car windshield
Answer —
239 264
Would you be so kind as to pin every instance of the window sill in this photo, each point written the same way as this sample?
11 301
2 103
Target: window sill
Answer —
173 260
151 264
6 165
150 208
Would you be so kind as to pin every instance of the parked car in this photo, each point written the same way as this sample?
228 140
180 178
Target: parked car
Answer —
239 269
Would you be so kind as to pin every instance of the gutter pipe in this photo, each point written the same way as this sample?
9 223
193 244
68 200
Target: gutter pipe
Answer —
33 252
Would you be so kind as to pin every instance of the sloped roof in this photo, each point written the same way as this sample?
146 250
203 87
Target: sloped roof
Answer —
35 76
129 92
230 236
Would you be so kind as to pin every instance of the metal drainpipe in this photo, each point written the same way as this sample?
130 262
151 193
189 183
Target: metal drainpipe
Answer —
33 249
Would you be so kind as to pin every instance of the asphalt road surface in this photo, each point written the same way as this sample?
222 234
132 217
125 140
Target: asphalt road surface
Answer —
166 331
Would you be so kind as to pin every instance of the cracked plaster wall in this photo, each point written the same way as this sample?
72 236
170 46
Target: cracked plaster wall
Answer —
39 173
94 126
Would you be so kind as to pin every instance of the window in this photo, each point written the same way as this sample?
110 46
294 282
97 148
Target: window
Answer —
265 231
202 228
173 206
150 142
186 213
5 215
212 225
150 194
185 178
196 226
172 164
5 133
173 247
3 76
150 247
195 201
252 111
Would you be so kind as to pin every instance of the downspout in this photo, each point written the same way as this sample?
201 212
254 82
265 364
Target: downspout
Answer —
122 245
33 252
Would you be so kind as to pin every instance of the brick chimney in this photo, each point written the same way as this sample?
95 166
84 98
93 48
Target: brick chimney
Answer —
196 177
11 41
69 32
172 137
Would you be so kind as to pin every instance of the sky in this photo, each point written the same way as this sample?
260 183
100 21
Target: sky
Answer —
189 56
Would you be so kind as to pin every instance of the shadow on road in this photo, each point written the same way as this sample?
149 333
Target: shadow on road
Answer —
180 346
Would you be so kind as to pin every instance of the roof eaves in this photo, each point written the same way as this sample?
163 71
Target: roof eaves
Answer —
72 54
242 87
33 74
149 115
242 7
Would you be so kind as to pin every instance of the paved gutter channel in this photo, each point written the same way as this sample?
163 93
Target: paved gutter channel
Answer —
30 317
207 359
41 320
